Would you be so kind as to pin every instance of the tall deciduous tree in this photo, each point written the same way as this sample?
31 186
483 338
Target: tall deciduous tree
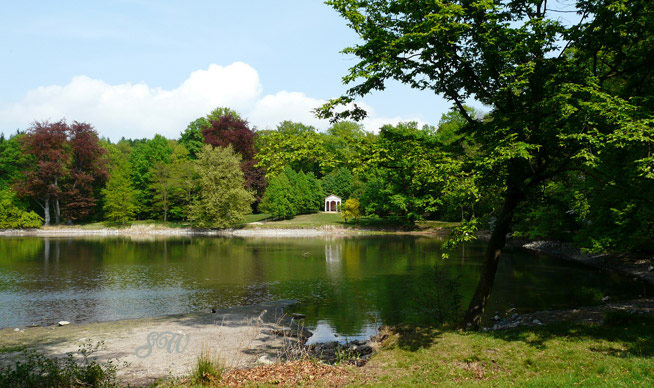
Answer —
47 146
562 96
87 173
120 198
226 127
222 200
145 154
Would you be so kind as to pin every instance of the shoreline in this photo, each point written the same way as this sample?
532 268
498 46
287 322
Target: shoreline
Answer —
242 337
641 269
159 231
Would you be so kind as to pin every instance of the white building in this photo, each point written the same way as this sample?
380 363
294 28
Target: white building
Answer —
332 203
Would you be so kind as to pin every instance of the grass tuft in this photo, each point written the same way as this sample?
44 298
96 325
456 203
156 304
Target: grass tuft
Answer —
207 369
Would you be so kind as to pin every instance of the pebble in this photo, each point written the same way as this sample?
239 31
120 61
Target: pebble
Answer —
605 299
63 323
515 316
299 316
537 322
650 268
16 329
496 318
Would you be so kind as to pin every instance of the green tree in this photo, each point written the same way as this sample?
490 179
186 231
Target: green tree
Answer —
120 199
562 97
168 182
279 198
192 138
293 145
144 155
222 200
338 182
351 210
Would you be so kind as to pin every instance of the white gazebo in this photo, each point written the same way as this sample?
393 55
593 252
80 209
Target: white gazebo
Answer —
332 203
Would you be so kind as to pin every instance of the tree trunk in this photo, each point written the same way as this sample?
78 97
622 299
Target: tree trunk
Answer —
472 319
57 211
46 211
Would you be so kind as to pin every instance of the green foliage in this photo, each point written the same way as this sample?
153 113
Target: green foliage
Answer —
12 160
222 200
293 145
13 216
351 210
578 113
279 198
290 193
192 138
338 182
120 198
171 183
144 155
34 370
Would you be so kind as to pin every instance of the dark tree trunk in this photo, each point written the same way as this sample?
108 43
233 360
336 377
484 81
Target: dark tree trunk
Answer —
472 319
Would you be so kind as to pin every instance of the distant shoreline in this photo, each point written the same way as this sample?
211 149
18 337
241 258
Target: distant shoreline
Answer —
159 231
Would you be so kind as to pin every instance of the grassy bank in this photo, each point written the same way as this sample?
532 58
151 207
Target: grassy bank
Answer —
319 220
617 353
563 355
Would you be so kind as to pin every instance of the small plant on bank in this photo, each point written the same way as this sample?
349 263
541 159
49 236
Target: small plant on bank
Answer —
34 370
207 369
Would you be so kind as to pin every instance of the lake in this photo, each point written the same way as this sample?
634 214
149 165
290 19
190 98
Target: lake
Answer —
347 286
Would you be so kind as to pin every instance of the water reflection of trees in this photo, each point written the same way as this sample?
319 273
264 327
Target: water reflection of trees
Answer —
342 280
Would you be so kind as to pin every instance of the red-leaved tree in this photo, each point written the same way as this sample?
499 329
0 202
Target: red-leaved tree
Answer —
48 150
87 173
65 168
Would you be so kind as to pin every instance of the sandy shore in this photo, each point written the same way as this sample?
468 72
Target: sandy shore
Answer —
164 346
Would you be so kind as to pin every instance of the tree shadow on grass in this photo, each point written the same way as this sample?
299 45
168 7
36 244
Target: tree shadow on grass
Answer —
414 338
635 335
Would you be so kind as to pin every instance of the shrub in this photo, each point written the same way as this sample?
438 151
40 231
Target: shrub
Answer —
12 216
35 370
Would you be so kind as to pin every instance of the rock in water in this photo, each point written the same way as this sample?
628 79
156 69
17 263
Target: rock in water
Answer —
299 316
63 323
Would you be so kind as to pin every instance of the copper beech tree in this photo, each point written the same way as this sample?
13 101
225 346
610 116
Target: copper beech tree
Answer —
66 168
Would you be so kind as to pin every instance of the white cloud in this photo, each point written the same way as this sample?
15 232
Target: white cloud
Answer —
138 110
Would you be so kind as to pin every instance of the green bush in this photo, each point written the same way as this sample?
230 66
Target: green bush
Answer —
12 216
35 370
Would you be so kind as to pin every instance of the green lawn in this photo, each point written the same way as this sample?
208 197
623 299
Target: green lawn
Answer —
564 355
321 219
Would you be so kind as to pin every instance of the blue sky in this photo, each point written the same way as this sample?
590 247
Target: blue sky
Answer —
134 68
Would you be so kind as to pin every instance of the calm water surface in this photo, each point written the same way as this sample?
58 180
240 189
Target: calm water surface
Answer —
346 285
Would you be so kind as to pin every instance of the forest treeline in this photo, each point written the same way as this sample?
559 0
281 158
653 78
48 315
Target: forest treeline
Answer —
220 169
